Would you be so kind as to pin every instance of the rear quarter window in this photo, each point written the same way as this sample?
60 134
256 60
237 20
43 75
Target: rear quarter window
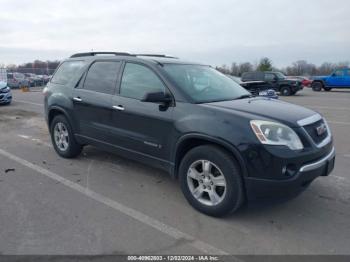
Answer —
66 72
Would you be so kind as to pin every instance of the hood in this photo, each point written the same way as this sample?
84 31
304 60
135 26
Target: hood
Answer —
319 77
271 109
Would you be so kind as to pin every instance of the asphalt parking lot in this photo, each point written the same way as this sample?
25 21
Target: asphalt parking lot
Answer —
101 203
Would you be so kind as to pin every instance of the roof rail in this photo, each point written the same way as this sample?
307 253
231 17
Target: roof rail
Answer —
156 55
100 53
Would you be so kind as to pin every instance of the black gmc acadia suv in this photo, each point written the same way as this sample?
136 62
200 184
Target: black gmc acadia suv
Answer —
224 145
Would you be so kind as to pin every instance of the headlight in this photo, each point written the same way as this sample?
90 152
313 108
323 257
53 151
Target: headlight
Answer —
273 133
5 90
263 93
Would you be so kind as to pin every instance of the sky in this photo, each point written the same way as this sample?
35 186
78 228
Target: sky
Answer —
214 32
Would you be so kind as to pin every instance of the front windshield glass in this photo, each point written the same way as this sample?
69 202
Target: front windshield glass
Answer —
204 84
280 75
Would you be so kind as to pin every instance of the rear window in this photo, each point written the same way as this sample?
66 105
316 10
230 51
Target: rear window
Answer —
102 77
66 72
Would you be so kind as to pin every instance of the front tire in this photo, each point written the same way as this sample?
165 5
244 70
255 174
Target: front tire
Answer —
211 181
63 139
317 86
286 91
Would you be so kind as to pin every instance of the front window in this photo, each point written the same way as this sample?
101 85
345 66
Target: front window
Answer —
280 75
204 84
270 77
139 80
339 73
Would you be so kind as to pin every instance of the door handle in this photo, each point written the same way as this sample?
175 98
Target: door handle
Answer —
77 99
119 108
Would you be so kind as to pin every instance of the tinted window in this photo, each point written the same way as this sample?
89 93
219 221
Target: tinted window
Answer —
203 83
348 72
66 72
138 80
102 77
269 77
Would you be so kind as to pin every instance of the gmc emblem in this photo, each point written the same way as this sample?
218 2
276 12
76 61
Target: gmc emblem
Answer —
320 130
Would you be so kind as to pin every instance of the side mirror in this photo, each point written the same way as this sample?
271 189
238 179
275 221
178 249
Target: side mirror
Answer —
334 75
157 97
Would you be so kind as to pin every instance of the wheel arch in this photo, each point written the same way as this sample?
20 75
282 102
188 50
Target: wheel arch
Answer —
54 111
319 81
190 141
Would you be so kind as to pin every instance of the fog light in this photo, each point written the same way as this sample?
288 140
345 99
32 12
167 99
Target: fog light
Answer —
284 170
289 170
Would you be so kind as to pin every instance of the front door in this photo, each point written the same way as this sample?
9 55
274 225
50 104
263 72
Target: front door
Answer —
141 127
272 80
336 79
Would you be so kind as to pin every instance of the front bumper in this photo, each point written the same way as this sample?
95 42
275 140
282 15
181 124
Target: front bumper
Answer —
5 98
263 188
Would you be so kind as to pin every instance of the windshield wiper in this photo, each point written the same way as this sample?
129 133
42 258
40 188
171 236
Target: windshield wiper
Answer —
244 96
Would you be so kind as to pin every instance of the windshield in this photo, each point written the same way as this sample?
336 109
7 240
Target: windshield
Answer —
280 75
204 84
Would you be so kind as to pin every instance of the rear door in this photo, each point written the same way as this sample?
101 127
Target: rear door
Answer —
138 126
93 100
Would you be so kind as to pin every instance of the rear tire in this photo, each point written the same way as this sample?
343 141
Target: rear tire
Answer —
217 188
317 86
63 139
285 91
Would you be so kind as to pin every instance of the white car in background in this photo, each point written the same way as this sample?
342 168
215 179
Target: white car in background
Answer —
5 93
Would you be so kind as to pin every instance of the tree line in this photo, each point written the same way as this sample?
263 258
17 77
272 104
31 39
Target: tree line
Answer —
37 67
298 68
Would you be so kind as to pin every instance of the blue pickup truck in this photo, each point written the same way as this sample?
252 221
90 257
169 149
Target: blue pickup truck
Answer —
340 78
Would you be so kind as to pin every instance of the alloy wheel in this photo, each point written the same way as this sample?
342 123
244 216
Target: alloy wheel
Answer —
206 182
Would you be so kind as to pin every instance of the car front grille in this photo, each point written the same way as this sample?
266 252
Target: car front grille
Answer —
312 130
